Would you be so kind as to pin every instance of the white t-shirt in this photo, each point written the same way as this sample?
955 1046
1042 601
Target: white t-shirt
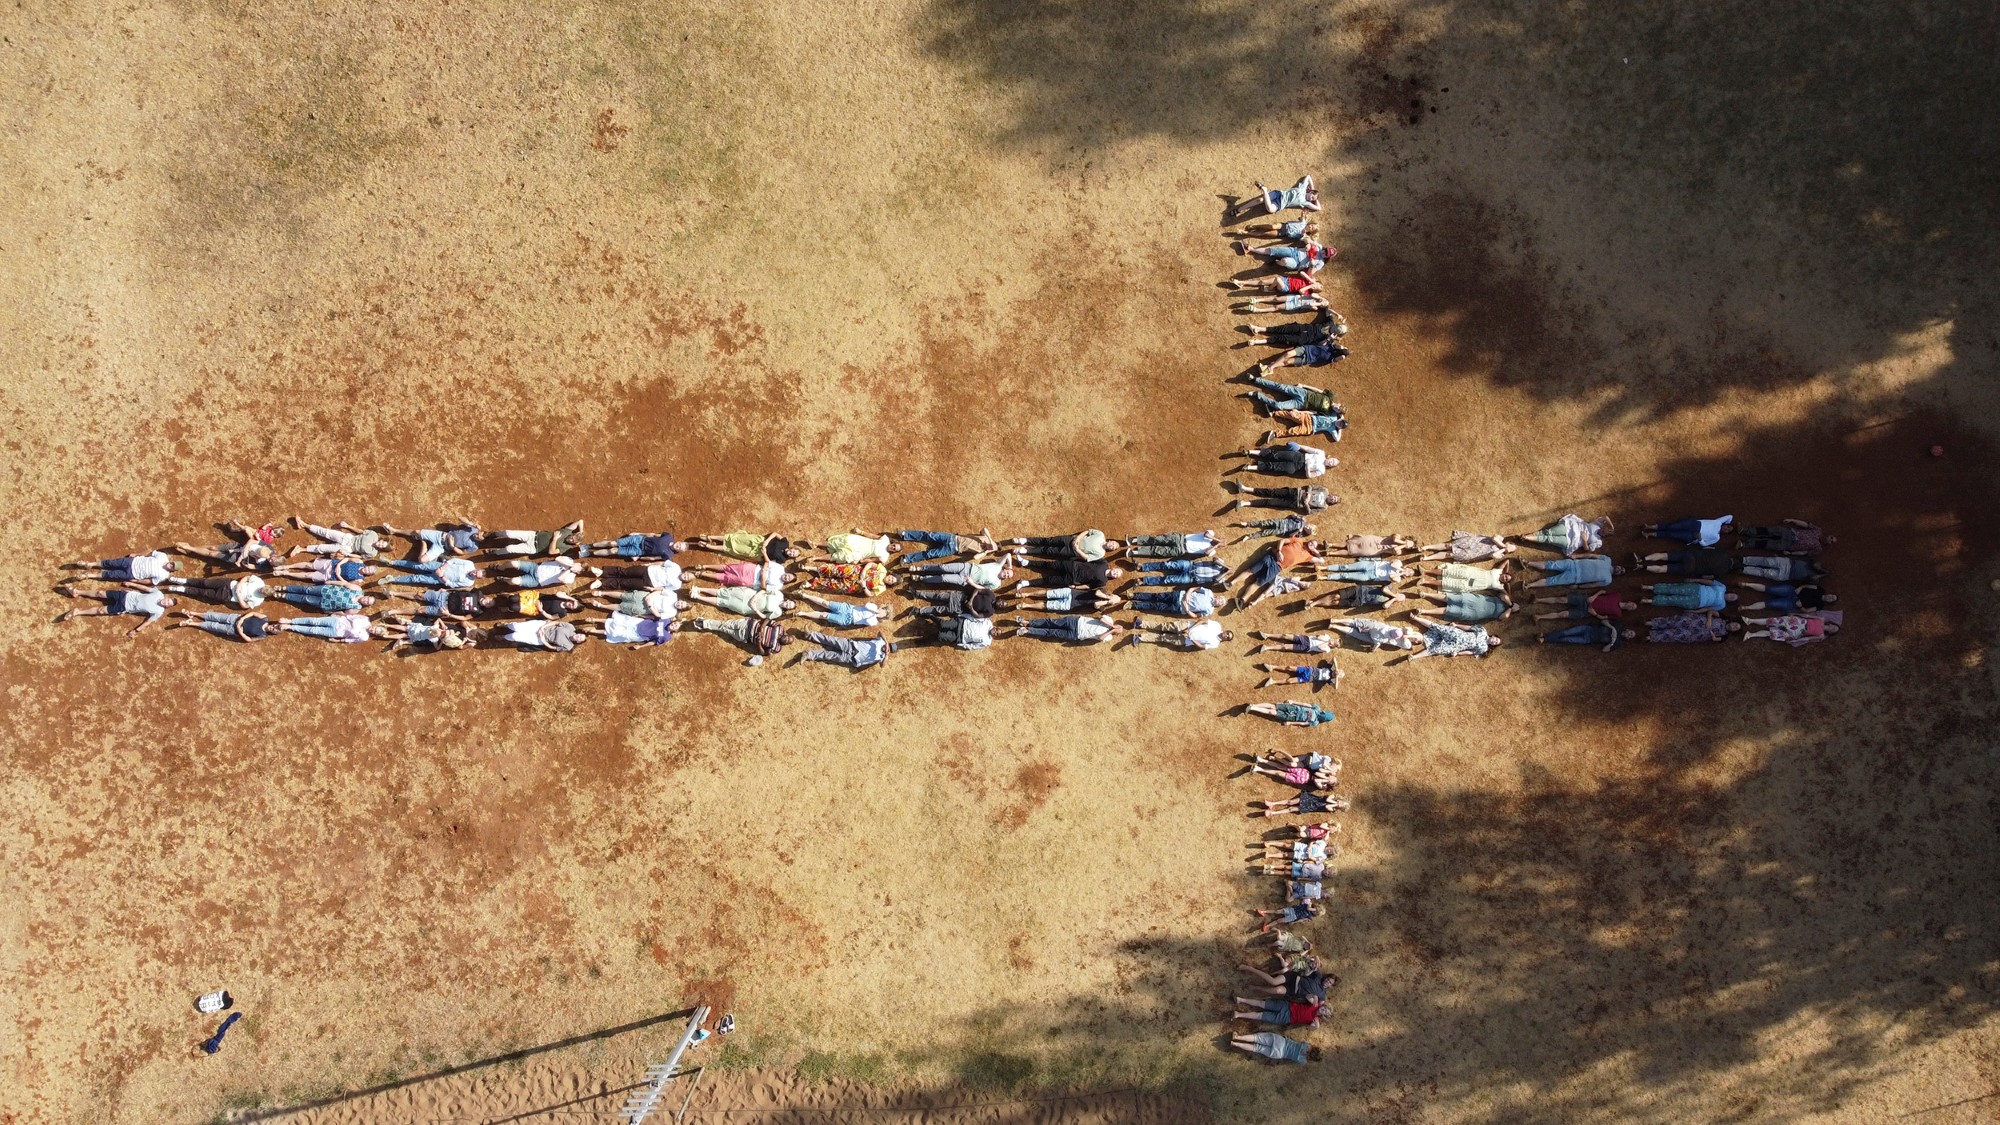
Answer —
150 567
771 576
247 591
660 604
350 627
1315 461
1711 531
145 602
1204 634
664 576
525 633
975 632
1201 542
985 575
1091 628
456 573
550 574
868 613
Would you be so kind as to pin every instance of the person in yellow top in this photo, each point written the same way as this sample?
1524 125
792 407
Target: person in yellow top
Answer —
859 546
750 545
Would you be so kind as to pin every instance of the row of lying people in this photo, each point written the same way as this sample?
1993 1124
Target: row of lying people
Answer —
458 574
1463 596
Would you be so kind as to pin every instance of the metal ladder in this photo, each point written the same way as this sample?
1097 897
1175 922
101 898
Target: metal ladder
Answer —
641 1104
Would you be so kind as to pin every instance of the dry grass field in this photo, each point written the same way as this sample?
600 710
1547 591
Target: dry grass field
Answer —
952 263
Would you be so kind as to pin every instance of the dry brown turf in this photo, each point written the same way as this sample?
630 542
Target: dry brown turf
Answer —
952 263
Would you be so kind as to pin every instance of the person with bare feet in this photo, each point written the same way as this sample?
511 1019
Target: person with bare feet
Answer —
1276 1047
246 627
1441 638
1792 629
1374 547
340 628
1376 635
1198 635
1363 596
457 537
1070 628
1288 230
842 615
1305 644
343 539
1308 498
1323 674
136 599
405 631
1301 196
1468 547
254 551
537 544
750 545
1571 534
1068 599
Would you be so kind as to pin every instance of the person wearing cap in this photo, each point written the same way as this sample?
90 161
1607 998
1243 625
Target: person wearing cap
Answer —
1089 546
555 636
1204 634
762 638
750 545
1321 329
855 652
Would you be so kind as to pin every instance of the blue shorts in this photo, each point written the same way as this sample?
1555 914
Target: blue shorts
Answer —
1062 601
117 570
434 600
114 600
631 546
1302 675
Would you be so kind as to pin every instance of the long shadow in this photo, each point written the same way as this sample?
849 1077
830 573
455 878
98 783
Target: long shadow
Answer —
462 1068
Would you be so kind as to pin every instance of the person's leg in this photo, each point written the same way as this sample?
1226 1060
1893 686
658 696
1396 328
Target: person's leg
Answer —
325 627
1683 530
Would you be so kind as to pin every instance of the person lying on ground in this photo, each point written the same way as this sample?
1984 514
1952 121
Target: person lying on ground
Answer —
1314 842
869 578
639 631
1310 760
1283 527
453 605
244 627
531 574
857 545
1793 537
1601 606
1308 984
1204 634
456 573
1695 562
1580 570
1287 915
1702 593
1299 498
1304 423
963 632
537 544
449 537
1282 302
1194 601
981 573
1467 547
1182 572
849 652
1306 771
547 604
1276 1047
1172 545
245 592
153 566
341 628
427 632
1305 890
654 576
1278 285
751 545
1785 597
327 569
1600 633
1266 572
1306 257
1693 530
1473 609
1272 396
1311 355
1072 599
944 544
660 605
762 576
1571 534
1323 328
1363 596
1444 639
1308 644
1694 627
554 636
1304 802
1069 628
1363 571
1292 714
1286 966
637 545
845 615
253 551
1073 572
326 597
1374 547
1301 871
1301 196
136 599
745 601
1288 230
1376 635
1464 578
761 638
1316 676
1782 568
955 602
1290 460
1090 546
1285 944
1791 629
342 538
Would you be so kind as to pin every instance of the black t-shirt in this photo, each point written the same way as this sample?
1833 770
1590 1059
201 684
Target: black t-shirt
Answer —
1810 597
1710 562
980 603
461 602
1308 987
1079 573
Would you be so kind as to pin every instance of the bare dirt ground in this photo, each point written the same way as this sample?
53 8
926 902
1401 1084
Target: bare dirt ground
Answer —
948 263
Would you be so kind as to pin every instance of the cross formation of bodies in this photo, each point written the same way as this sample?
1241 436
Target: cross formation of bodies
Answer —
859 596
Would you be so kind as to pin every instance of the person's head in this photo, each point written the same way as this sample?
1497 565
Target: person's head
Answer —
168 602
1832 628
1628 606
1733 627
1628 634
1228 636
1617 570
1496 642
1604 524
1114 572
1829 598
172 564
1730 598
479 602
367 599
682 607
1832 539
1313 1054
1332 500
477 571
564 600
789 605
891 647
1336 804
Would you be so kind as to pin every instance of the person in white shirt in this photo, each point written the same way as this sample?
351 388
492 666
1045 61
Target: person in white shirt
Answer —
660 605
246 592
1203 634
539 575
1174 545
841 615
1071 627
965 632
137 599
153 566
1694 531
346 628
656 576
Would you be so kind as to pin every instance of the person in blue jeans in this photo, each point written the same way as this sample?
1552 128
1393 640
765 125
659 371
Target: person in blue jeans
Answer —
1306 355
1590 633
1182 572
944 544
453 573
1694 531
1293 396
1197 601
